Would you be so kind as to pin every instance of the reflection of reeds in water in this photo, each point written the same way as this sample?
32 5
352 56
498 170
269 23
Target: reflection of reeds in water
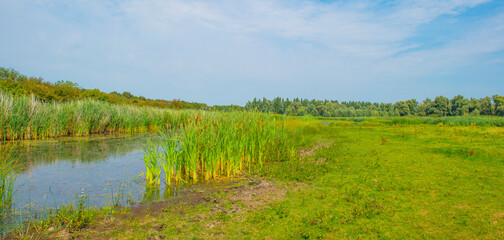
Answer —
77 150
212 145
28 118
152 193
8 174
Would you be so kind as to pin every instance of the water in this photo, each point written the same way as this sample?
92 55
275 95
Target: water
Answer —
107 169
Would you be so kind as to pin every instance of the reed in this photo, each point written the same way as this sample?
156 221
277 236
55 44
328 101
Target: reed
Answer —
24 117
212 145
151 156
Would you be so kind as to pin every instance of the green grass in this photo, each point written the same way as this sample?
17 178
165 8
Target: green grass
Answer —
371 180
24 117
487 121
423 181
375 181
66 219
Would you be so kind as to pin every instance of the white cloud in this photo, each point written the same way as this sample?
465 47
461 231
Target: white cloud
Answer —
177 44
350 29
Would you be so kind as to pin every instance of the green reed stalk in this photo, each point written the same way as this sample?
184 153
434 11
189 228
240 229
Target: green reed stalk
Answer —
151 158
211 145
170 157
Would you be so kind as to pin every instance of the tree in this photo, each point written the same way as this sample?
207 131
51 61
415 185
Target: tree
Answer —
312 110
128 95
424 107
295 105
474 105
402 108
459 106
413 105
498 105
486 106
278 106
290 111
440 106
176 104
301 111
328 109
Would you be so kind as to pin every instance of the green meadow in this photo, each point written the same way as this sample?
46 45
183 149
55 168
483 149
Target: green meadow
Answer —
347 178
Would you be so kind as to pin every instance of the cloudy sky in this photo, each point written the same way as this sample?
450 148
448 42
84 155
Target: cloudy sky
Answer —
223 52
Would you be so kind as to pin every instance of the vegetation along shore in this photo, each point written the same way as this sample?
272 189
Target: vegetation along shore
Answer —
270 170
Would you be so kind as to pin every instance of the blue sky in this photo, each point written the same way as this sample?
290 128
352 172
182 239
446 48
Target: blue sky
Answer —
228 52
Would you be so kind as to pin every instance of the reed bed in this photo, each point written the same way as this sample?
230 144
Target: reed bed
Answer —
212 145
23 117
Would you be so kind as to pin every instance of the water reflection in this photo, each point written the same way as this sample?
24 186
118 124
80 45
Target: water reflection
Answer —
78 150
152 193
105 168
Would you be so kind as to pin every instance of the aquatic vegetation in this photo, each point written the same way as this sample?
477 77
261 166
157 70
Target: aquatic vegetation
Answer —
212 145
8 175
23 117
70 217
353 179
151 156
366 181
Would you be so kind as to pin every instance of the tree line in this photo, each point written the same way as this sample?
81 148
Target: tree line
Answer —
440 106
13 82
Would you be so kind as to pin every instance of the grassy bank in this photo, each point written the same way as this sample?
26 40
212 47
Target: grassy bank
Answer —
375 181
28 118
371 180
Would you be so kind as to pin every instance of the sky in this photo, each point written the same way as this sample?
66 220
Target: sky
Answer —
223 52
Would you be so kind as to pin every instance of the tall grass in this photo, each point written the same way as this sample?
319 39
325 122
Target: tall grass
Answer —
212 145
24 117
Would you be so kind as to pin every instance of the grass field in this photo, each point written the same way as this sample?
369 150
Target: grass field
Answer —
357 180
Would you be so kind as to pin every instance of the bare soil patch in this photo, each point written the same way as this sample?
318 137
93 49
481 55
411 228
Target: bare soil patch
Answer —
309 152
243 195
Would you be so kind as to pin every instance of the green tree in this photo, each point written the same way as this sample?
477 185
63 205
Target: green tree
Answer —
440 106
459 106
498 105
312 110
474 105
424 107
413 105
402 108
486 106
